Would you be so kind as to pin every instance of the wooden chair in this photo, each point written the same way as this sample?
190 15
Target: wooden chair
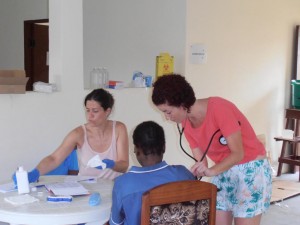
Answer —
190 202
289 152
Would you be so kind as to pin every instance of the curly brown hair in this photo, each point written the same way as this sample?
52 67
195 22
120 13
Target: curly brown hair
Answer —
174 90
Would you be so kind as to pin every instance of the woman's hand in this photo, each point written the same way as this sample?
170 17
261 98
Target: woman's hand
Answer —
108 163
33 176
200 169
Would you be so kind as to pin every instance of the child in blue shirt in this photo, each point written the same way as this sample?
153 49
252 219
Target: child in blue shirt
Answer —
149 147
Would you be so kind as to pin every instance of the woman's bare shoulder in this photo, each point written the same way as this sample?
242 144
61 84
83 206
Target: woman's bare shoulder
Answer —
120 126
119 123
76 136
77 131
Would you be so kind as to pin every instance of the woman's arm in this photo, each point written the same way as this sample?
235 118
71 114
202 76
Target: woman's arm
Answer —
122 161
235 145
198 154
53 160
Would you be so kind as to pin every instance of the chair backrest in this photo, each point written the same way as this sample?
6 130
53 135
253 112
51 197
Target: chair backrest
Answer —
292 120
190 202
292 114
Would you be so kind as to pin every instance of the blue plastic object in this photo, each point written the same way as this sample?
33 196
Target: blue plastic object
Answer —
61 198
95 199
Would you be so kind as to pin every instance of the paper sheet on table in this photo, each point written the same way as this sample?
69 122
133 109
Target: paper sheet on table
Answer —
96 161
21 199
8 187
67 188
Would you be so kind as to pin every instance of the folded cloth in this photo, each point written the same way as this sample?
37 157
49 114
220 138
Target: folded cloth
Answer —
21 199
96 161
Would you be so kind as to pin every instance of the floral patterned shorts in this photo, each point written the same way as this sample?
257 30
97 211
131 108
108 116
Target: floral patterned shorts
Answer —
245 189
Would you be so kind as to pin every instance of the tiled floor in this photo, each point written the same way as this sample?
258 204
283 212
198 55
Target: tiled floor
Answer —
286 212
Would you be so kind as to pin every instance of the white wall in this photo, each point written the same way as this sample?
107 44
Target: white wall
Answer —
137 31
249 46
34 124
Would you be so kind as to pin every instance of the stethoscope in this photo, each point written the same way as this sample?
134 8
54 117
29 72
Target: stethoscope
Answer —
206 150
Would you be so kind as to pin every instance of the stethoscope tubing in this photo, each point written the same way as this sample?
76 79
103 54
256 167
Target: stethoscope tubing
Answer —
206 150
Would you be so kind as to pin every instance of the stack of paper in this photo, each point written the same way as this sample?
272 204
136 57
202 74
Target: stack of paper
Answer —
67 188
21 199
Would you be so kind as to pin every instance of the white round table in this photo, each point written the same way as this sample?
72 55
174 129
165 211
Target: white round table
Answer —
43 212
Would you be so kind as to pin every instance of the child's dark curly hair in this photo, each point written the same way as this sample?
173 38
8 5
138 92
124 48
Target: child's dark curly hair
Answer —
150 138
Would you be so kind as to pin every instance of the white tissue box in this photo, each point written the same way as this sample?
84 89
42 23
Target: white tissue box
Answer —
288 134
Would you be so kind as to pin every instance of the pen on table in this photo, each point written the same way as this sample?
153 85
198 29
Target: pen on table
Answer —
89 179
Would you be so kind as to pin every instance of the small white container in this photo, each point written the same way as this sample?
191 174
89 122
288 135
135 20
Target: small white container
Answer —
22 181
289 134
99 77
95 78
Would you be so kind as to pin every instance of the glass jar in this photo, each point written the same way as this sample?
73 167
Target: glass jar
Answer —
94 78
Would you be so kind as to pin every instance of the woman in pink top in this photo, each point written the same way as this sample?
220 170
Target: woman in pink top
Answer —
216 128
101 137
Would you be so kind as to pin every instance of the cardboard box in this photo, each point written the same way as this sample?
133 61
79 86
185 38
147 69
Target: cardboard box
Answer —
13 81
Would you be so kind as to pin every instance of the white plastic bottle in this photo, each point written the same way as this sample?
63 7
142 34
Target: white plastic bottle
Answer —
105 78
95 78
22 181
